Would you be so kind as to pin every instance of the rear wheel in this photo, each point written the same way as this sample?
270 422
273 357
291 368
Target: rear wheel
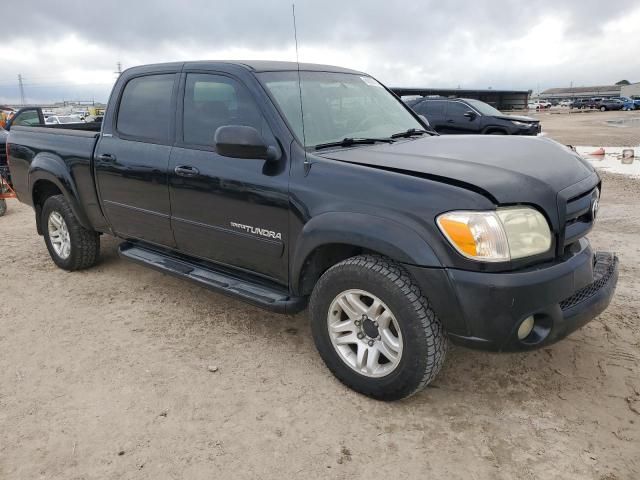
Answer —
71 246
3 206
602 109
375 330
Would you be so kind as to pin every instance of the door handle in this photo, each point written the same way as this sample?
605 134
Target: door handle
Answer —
449 121
107 157
186 171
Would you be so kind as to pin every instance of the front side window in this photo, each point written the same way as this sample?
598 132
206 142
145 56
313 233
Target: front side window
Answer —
213 101
145 108
337 106
457 109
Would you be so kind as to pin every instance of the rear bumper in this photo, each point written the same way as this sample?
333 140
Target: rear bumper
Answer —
484 310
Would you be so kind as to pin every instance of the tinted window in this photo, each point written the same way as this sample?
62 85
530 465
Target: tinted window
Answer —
457 109
430 107
27 118
145 108
212 101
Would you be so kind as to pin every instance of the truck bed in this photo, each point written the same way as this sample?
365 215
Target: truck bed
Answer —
87 127
77 130
63 150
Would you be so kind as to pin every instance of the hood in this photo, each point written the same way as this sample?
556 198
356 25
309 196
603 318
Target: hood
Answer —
519 118
507 169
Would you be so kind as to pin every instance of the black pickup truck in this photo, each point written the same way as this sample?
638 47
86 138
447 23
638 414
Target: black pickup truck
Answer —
319 186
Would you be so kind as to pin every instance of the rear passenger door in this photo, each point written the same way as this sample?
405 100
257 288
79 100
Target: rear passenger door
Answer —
227 210
434 111
132 159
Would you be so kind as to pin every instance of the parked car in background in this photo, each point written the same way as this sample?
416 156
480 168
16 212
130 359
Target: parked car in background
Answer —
62 119
628 103
594 102
466 115
580 103
539 105
609 104
566 103
35 117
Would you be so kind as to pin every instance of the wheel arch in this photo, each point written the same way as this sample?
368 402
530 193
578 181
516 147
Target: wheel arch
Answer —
48 176
332 237
493 128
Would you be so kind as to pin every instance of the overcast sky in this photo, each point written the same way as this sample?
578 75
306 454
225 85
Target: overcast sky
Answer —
69 49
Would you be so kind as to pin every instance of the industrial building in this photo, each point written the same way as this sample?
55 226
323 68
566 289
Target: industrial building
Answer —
500 99
632 90
581 92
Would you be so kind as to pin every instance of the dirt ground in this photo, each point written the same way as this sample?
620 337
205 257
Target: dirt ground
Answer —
104 374
591 127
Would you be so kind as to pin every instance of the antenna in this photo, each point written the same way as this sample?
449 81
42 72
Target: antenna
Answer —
304 137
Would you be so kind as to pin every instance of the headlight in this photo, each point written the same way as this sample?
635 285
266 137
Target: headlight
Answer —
520 124
497 236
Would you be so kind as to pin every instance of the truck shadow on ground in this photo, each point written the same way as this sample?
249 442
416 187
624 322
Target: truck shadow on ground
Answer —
563 367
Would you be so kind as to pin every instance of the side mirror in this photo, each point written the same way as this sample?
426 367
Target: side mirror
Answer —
425 121
471 115
239 141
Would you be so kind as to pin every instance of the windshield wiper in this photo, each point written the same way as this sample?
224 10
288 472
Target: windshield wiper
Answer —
347 142
412 132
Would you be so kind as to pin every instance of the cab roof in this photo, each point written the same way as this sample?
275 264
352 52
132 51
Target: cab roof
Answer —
252 65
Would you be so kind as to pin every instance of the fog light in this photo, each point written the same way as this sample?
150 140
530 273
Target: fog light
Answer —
525 328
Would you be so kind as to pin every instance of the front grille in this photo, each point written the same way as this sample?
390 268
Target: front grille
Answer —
605 265
578 216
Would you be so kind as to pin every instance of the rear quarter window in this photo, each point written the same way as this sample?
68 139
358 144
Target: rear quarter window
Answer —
145 108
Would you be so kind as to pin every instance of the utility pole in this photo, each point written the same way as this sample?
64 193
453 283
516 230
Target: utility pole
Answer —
21 85
119 70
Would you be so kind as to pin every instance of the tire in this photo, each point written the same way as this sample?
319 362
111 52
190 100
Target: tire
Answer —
602 109
3 206
421 338
84 245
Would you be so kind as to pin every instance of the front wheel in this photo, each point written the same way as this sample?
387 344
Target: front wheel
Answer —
3 206
71 246
375 330
602 109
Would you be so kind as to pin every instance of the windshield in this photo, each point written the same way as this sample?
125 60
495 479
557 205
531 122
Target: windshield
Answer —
483 108
337 106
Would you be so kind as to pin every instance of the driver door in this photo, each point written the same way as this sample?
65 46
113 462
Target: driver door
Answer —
227 210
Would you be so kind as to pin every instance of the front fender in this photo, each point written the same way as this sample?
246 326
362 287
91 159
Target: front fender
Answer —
378 234
50 167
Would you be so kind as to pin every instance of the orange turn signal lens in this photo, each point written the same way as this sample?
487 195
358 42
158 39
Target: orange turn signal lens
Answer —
460 235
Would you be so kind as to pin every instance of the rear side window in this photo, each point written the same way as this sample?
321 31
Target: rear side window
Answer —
430 107
27 118
212 101
145 108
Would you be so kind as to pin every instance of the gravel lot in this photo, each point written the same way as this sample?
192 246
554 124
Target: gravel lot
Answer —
591 127
104 374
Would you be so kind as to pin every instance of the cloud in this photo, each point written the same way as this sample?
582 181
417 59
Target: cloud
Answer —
70 48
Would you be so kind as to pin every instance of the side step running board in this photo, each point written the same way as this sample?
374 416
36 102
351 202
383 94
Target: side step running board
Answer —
267 297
